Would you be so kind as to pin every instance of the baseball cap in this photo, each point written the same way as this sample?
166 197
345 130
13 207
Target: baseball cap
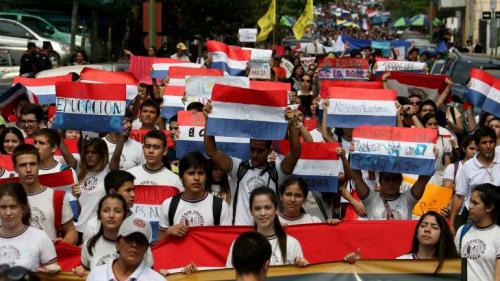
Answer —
134 224
181 46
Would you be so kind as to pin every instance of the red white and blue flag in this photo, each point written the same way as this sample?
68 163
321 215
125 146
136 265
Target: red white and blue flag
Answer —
319 165
484 91
43 88
394 149
352 107
172 101
162 70
247 113
325 84
232 60
10 98
177 74
142 67
192 129
427 86
343 69
91 75
200 87
63 180
90 107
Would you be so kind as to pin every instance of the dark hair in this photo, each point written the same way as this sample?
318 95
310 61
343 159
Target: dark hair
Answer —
17 191
93 240
295 180
23 149
489 194
250 252
192 160
268 143
465 143
428 117
482 118
101 148
195 105
156 134
484 132
445 247
32 108
173 118
427 102
413 50
151 103
115 179
224 182
11 130
280 232
53 137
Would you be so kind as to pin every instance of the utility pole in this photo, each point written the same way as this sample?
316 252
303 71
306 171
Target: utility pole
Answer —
74 20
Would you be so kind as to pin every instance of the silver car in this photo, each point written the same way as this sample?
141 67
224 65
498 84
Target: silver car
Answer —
14 38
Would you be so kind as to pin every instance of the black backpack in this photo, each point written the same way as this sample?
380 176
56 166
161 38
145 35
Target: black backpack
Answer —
216 209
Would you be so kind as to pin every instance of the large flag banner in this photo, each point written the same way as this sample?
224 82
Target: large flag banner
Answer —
396 65
352 107
267 22
91 75
343 69
192 130
172 101
484 91
90 107
319 165
247 113
10 98
63 180
305 19
141 66
201 86
270 85
232 60
43 88
435 197
162 70
325 84
394 149
427 86
178 74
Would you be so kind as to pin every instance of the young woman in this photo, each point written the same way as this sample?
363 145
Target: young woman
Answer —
305 86
10 138
264 209
479 241
432 240
21 244
218 182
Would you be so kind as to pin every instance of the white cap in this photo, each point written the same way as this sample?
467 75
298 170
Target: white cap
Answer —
134 224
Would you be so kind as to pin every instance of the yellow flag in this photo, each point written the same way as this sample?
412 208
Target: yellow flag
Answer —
267 22
305 19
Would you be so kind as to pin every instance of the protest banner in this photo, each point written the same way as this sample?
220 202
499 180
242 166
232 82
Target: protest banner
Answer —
394 149
43 88
483 91
172 101
259 69
232 60
162 70
10 98
307 61
141 66
352 107
6 163
192 130
92 75
288 66
178 74
425 86
343 69
201 86
435 197
396 65
63 180
269 85
138 135
89 107
325 84
247 35
319 165
247 113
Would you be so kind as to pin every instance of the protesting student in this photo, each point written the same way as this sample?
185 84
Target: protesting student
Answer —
219 182
10 138
31 119
251 254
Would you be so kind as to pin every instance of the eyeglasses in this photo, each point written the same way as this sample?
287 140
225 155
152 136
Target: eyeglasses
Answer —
28 122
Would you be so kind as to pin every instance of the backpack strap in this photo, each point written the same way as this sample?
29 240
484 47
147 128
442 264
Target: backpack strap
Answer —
321 207
217 210
174 203
455 164
465 229
57 202
242 170
273 174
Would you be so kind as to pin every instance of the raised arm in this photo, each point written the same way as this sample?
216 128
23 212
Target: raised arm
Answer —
324 126
441 99
68 157
219 157
417 190
359 184
291 159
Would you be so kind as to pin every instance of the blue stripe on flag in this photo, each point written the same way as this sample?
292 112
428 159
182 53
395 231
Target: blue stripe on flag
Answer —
159 74
238 150
393 164
491 106
353 121
46 99
321 183
167 112
85 122
246 129
474 97
225 67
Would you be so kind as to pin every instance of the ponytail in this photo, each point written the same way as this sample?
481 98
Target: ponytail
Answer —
281 234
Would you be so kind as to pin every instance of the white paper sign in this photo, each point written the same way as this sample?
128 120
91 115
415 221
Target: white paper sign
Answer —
259 54
247 34
201 86
288 66
307 61
260 70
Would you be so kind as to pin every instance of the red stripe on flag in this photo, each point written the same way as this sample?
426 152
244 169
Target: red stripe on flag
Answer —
361 94
417 135
141 66
268 85
180 72
483 76
6 162
190 119
110 77
431 81
54 180
312 150
77 90
42 81
71 145
223 93
232 52
153 194
325 84
174 90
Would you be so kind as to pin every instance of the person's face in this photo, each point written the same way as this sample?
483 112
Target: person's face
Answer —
413 56
217 174
194 180
299 71
151 52
27 168
79 57
45 149
132 248
487 147
314 106
470 151
19 106
426 109
306 82
428 231
148 115
477 208
414 101
292 199
127 191
29 123
72 134
432 123
11 212
263 211
91 157
154 150
495 125
390 183
259 152
10 142
112 214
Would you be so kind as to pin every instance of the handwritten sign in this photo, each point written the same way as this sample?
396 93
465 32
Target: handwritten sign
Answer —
247 34
435 197
395 65
259 69
343 69
202 86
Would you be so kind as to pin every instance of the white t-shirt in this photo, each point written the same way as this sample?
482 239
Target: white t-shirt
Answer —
132 154
312 207
42 211
163 176
142 273
31 248
56 169
443 147
449 171
481 247
7 174
250 181
400 208
92 187
410 256
302 219
194 212
293 250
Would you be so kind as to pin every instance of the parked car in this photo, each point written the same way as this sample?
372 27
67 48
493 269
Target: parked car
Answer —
117 67
7 68
14 37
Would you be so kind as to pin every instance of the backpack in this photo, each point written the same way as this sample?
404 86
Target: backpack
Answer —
57 203
243 169
216 209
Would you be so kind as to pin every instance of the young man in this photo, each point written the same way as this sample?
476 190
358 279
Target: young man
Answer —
482 168
250 256
133 155
148 115
31 118
257 171
45 202
195 206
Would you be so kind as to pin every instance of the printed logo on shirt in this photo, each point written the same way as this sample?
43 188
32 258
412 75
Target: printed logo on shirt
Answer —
148 183
9 254
192 218
106 258
395 215
37 218
254 182
90 184
474 249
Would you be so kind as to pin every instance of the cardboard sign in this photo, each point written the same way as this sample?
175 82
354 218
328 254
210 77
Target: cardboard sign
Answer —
247 34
